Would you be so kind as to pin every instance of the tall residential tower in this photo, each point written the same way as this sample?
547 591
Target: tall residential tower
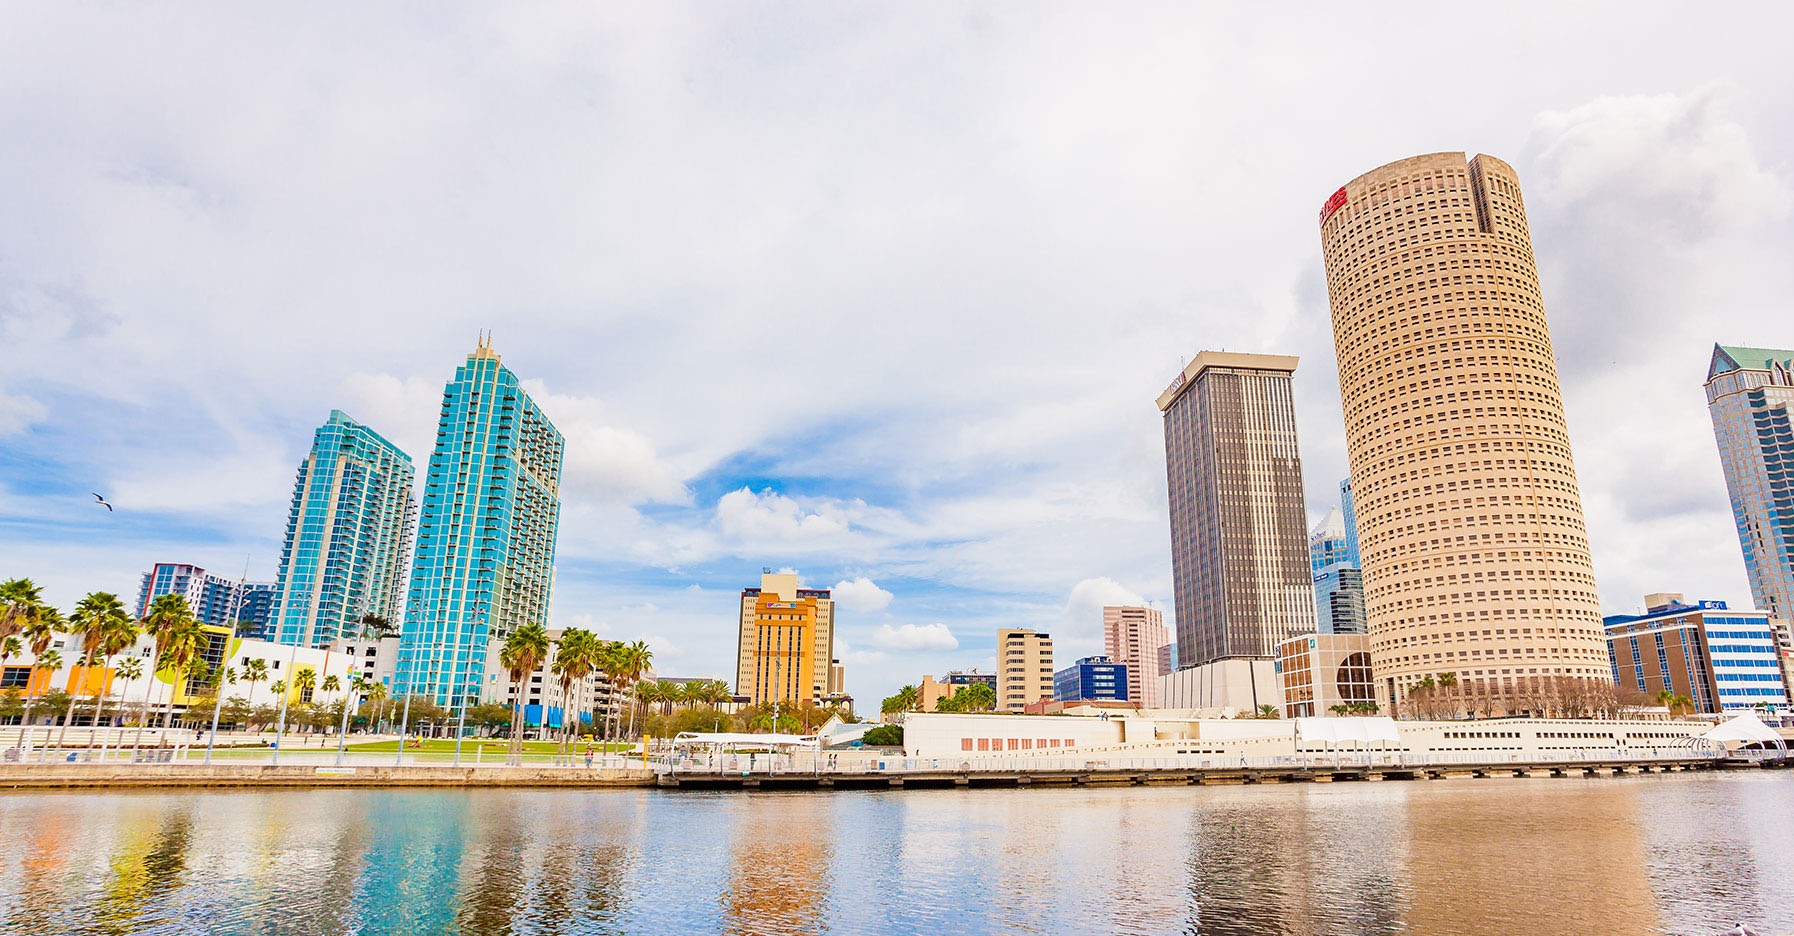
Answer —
485 544
348 535
1749 392
1475 556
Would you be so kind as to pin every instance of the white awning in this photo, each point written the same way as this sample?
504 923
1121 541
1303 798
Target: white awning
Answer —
1368 729
1744 729
739 738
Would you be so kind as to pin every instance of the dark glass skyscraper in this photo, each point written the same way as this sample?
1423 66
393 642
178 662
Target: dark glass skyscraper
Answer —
1239 537
486 540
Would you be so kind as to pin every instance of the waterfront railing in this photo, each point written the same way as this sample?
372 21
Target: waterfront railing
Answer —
839 764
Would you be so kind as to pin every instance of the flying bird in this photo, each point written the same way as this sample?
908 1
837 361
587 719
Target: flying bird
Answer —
103 503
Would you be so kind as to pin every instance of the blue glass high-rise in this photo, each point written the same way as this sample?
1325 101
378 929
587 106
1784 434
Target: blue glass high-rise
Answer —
348 536
486 539
1750 392
1338 579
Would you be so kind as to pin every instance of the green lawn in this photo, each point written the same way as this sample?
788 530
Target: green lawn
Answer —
489 745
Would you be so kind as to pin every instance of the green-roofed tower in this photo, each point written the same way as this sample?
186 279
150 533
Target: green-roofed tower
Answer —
1749 391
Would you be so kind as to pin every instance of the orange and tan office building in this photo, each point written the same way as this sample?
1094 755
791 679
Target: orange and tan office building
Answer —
1325 674
786 647
1024 668
1475 555
1135 637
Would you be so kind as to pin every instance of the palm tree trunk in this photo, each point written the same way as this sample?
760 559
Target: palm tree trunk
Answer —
143 715
68 716
99 707
119 735
25 723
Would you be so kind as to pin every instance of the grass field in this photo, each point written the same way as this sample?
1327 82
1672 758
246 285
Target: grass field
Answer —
488 745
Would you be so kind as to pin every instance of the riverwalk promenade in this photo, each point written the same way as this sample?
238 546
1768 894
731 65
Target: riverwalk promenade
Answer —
818 772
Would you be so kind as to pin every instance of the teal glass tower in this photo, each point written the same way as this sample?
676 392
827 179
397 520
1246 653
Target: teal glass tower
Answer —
348 536
1750 392
485 544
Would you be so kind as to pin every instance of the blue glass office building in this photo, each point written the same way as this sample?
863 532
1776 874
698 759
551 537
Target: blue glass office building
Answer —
486 539
1091 678
348 535
1723 661
1749 394
1338 579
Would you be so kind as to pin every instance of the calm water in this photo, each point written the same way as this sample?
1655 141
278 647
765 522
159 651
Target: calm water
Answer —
1629 855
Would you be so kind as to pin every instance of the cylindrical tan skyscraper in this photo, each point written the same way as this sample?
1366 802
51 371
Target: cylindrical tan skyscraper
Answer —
1476 559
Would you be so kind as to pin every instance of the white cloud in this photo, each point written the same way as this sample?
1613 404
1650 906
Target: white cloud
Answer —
770 516
860 594
912 638
19 413
605 461
1083 612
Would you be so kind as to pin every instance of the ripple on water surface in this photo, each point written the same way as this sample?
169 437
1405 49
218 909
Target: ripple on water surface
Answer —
1688 854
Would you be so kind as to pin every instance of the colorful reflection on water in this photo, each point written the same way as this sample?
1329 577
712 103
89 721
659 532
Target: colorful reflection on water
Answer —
1681 854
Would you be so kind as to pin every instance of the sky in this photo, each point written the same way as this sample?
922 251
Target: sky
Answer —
882 293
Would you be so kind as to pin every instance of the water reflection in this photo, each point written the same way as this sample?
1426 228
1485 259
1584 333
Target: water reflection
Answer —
778 881
1634 855
1545 856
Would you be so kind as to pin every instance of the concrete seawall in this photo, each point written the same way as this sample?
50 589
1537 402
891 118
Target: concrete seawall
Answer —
66 776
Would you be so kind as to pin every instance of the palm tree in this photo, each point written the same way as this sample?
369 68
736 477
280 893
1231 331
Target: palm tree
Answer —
305 679
9 647
716 692
119 635
334 683
357 685
21 603
653 692
909 699
521 653
104 628
222 676
574 659
377 695
633 661
254 671
49 661
169 617
608 658
39 631
129 669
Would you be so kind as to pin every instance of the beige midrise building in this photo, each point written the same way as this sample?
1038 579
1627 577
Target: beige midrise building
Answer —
1475 555
1024 668
785 650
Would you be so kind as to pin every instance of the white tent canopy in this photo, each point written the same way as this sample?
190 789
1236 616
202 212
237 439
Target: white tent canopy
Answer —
1744 729
744 739
1365 730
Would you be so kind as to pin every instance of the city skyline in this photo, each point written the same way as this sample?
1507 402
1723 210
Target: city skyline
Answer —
1040 293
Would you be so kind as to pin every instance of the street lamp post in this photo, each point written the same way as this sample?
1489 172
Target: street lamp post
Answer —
460 728
224 677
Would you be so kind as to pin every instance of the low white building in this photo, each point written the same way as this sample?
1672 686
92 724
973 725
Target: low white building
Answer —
1160 732
1239 684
